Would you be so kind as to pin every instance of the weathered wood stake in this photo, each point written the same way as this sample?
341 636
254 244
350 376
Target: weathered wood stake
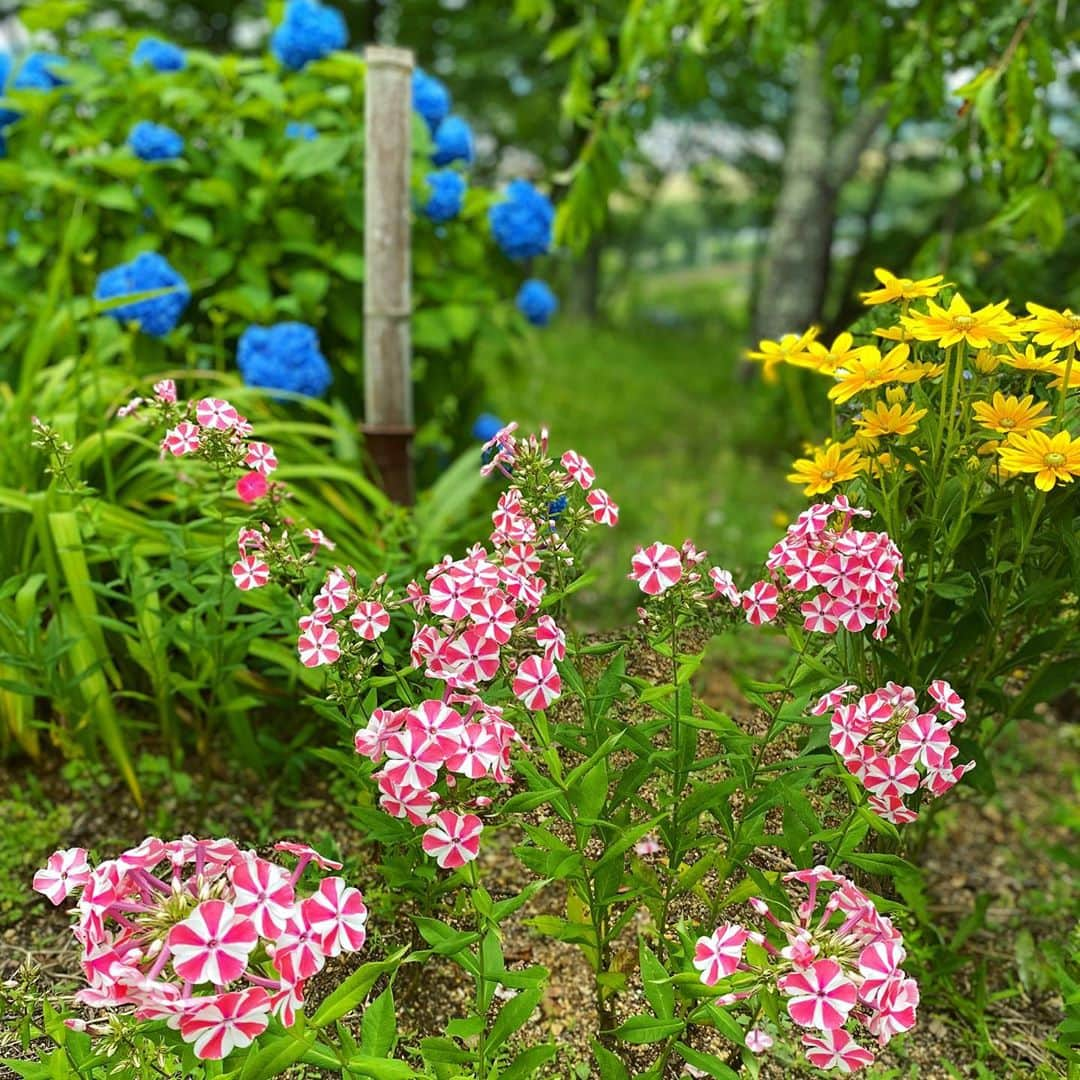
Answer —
388 398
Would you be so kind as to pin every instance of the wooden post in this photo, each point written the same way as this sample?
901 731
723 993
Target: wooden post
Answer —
388 398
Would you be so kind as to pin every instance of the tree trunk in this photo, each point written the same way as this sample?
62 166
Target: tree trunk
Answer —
795 272
584 298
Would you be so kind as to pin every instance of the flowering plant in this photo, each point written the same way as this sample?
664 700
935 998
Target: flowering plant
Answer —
164 922
190 179
962 437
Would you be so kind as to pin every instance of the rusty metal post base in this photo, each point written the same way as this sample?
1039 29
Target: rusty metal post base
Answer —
390 449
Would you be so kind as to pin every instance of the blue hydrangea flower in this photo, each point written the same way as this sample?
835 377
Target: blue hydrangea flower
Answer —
557 506
155 142
453 142
145 273
7 116
295 129
160 55
486 426
536 302
38 72
522 223
309 31
285 356
447 195
13 237
430 98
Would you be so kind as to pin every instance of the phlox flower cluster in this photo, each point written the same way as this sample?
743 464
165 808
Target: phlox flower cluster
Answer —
206 936
213 430
836 576
835 960
478 618
847 578
893 748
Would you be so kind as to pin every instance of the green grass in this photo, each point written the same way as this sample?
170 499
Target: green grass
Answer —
684 447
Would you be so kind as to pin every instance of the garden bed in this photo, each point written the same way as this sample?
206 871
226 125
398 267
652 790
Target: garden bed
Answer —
994 886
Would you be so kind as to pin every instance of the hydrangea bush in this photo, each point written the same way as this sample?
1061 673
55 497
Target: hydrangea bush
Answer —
245 175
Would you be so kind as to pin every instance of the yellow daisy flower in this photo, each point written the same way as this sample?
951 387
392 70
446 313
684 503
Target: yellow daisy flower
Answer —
1008 414
872 371
1053 459
989 325
826 360
774 353
1057 328
827 467
923 369
900 288
1028 361
1059 375
893 333
986 362
884 420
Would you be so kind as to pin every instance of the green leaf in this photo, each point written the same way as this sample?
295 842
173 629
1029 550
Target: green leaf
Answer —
354 989
657 985
528 1061
378 1026
708 1063
644 1029
611 1066
512 1016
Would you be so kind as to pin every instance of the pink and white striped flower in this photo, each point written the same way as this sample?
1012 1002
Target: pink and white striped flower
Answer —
949 701
536 682
226 1022
212 944
821 995
337 914
298 952
521 560
371 740
878 963
260 456
495 617
470 658
577 468
318 645
719 955
836 1049
165 390
451 596
605 509
181 440
413 758
453 839
476 752
250 572
551 638
216 413
370 620
264 893
64 872
656 568
402 801
724 585
896 1006
761 603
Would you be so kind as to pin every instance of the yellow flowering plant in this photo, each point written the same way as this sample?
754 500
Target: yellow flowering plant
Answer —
960 425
